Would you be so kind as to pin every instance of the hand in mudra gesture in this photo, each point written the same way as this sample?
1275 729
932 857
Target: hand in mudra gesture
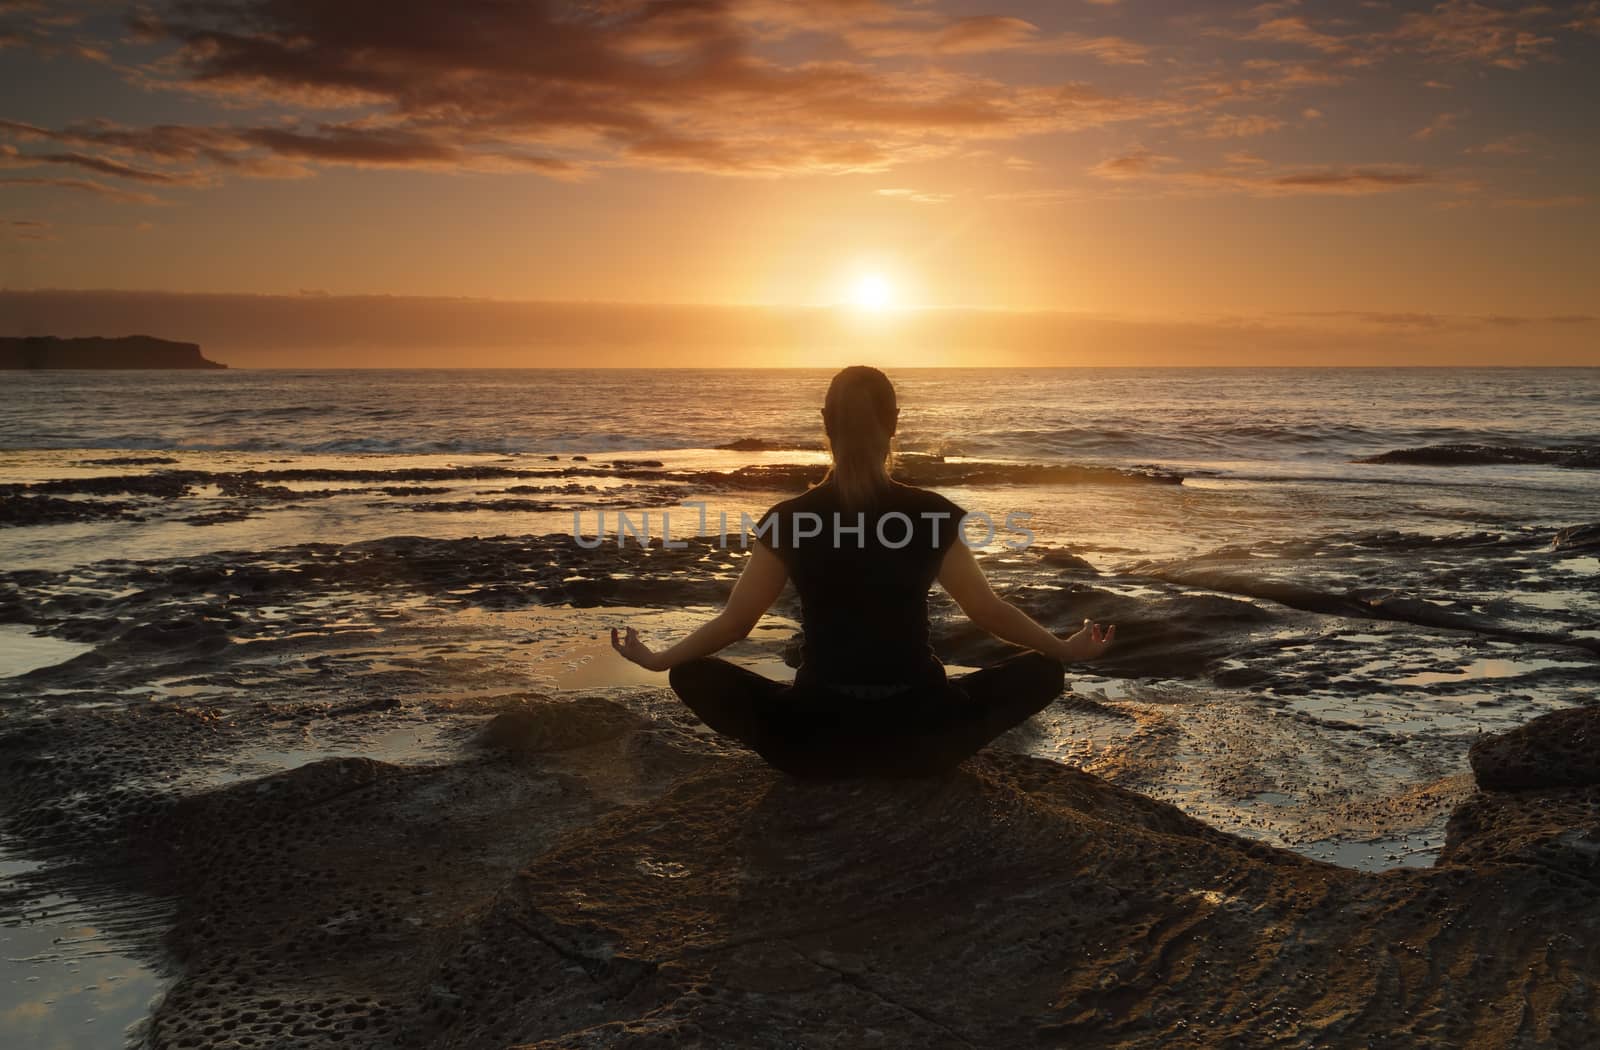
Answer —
633 649
1090 642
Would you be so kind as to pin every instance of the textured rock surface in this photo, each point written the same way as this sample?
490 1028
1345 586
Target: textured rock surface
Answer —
580 875
624 888
1557 829
1560 749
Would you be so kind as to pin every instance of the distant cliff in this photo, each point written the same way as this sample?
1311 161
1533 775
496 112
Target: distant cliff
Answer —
130 351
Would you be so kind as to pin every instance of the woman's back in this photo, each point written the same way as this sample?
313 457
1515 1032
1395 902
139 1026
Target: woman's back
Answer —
863 577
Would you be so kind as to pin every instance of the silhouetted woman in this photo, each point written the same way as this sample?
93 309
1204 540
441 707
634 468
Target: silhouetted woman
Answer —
862 549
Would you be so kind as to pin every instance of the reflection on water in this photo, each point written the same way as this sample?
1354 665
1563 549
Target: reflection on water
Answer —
64 985
22 651
1485 668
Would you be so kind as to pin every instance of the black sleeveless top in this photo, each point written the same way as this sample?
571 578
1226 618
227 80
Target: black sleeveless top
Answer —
863 577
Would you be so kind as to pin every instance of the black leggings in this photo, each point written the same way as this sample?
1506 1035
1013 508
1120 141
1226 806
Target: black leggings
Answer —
811 731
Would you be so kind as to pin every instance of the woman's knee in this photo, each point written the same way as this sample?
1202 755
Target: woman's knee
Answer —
1046 670
691 673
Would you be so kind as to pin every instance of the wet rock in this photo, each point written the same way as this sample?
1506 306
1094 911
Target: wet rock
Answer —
127 461
1556 829
1011 902
516 506
1577 537
555 726
51 510
309 785
250 486
217 517
623 882
193 635
1064 560
1173 636
752 444
936 472
165 484
1576 456
1560 749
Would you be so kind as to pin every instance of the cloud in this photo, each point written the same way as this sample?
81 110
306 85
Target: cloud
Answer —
918 196
1451 30
1246 175
81 185
1456 322
26 230
1393 319
759 88
1510 146
568 89
1296 30
1272 9
1263 80
980 34
1135 164
1560 200
1347 181
1437 126
11 158
1231 126
382 148
1467 31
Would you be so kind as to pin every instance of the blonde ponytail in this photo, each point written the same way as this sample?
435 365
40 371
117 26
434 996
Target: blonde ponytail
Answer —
861 414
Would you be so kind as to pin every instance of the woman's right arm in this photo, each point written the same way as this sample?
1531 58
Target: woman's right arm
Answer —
963 579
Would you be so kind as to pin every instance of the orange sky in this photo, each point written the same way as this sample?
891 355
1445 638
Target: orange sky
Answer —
1217 182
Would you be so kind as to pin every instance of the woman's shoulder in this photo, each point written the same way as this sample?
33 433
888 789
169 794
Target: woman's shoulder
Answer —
909 499
812 501
923 500
816 496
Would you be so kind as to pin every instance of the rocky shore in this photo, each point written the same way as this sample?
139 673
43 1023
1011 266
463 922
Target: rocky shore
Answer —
573 873
396 791
629 484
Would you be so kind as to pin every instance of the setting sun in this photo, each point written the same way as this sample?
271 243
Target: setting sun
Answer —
872 291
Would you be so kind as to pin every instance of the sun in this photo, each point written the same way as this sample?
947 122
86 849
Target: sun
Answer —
872 291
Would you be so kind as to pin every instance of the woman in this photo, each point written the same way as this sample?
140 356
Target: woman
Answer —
870 696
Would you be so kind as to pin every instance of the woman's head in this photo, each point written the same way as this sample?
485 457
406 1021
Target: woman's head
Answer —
860 415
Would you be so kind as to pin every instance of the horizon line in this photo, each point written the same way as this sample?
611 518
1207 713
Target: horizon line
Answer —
841 306
832 368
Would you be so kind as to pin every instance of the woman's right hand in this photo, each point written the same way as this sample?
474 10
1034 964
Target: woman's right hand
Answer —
1090 642
633 649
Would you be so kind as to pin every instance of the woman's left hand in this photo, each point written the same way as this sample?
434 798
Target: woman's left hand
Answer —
633 649
1088 643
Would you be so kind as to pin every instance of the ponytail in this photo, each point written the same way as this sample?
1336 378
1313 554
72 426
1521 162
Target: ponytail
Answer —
860 415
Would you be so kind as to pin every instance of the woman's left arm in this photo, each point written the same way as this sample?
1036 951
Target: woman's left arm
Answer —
757 588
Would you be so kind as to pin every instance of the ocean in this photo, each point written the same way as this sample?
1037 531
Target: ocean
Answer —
1276 451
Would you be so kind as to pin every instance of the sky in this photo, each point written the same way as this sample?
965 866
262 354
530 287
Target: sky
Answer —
774 182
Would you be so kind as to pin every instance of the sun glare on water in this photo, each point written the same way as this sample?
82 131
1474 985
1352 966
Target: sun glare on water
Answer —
872 291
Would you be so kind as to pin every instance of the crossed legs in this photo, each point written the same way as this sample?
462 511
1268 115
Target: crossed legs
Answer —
812 732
